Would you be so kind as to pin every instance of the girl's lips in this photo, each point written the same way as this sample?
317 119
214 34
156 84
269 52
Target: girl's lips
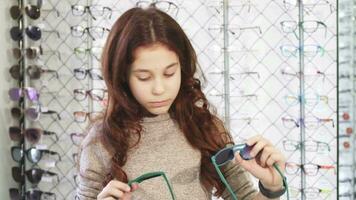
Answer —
159 103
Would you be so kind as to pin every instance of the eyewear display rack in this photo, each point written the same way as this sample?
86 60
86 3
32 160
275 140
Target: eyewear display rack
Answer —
346 90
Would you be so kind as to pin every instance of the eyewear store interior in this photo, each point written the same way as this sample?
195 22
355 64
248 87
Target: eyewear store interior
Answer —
280 68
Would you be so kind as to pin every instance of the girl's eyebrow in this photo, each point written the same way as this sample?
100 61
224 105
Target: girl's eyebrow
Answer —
146 70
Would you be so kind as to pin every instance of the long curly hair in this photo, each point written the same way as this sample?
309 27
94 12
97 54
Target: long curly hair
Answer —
191 110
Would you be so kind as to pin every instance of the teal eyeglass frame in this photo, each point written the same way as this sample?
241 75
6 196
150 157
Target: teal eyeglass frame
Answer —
229 154
153 175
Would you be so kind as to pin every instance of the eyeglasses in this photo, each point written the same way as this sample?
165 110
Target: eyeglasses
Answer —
307 99
33 52
309 169
77 138
309 122
308 5
82 52
309 192
33 155
238 7
32 194
94 31
95 94
81 73
33 71
287 72
310 26
34 113
151 175
33 135
227 154
34 175
235 31
308 145
166 6
81 116
243 74
308 50
31 93
32 11
93 10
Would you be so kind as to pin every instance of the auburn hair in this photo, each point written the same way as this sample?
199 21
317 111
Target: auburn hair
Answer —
191 110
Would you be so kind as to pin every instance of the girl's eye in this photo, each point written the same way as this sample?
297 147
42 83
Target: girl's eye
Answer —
169 75
143 78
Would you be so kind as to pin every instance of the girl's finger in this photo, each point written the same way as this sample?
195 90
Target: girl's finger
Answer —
113 192
274 158
266 153
251 141
119 185
258 147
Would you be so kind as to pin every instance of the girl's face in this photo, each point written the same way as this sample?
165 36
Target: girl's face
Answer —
155 77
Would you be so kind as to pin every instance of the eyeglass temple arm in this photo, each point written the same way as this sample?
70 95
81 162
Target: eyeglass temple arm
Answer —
52 31
91 14
51 174
51 133
169 186
153 175
52 153
284 179
52 112
51 194
222 178
50 71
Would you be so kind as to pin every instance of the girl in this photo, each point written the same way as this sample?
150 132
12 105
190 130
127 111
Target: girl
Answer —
158 119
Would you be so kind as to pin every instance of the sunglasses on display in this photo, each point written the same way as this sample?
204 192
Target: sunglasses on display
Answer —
32 194
34 175
31 11
151 175
31 93
31 52
33 32
33 113
227 154
33 135
33 155
33 71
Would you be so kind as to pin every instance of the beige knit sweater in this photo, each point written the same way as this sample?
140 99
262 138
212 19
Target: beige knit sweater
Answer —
162 147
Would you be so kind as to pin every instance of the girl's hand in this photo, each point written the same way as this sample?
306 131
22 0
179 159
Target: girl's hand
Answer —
265 155
117 190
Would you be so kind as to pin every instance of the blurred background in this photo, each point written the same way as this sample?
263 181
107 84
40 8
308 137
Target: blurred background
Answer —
280 68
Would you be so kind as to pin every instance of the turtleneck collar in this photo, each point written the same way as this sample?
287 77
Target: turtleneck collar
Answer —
156 118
